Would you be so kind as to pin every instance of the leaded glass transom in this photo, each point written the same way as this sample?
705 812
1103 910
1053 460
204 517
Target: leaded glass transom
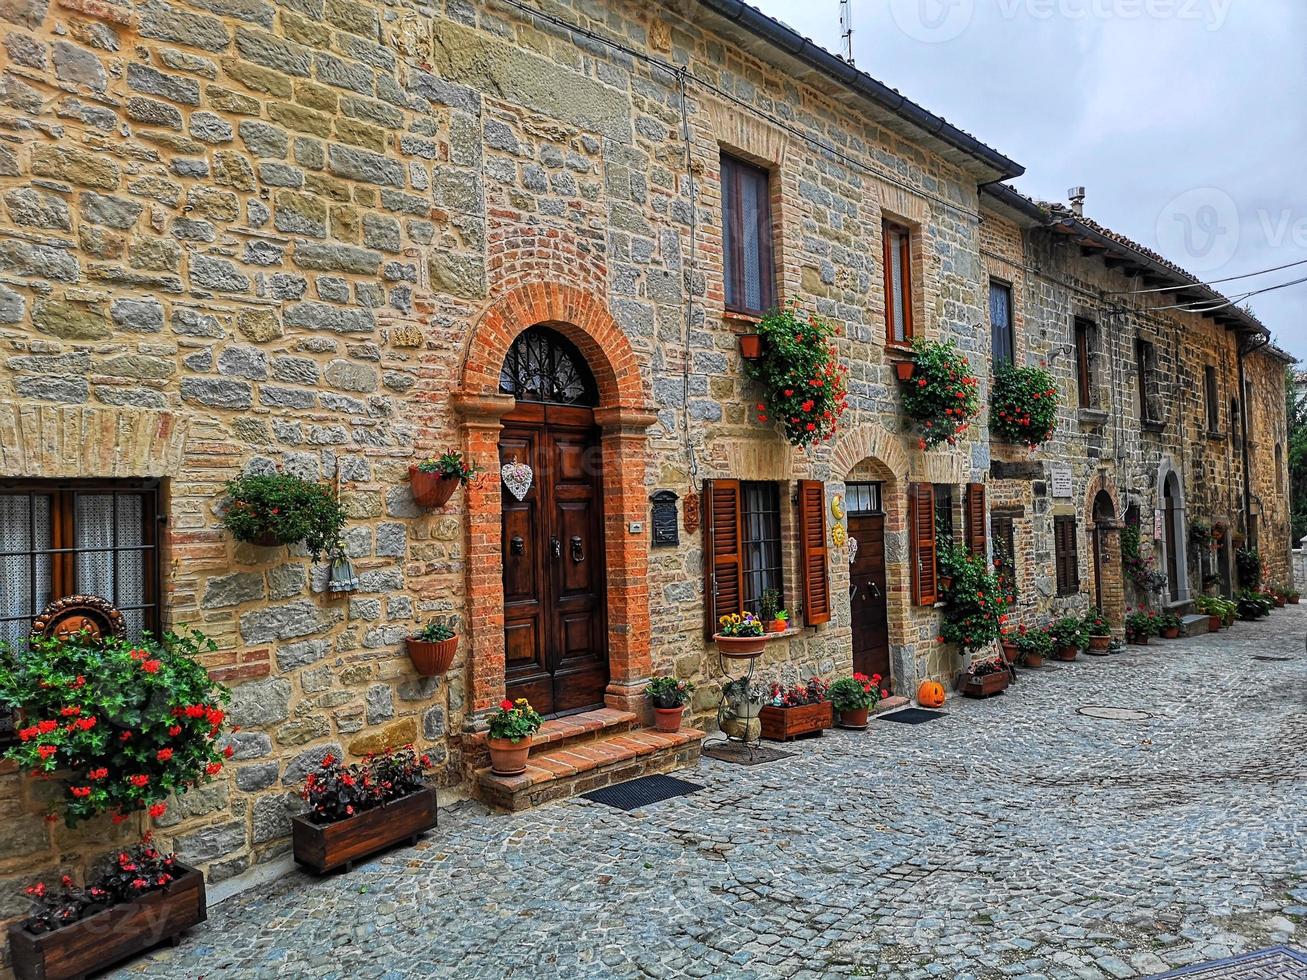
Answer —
544 366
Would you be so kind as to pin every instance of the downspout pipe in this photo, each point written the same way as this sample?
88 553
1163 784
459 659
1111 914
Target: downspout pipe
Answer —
1246 345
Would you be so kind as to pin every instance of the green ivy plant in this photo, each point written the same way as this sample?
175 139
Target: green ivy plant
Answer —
284 509
975 603
125 724
941 397
805 388
1023 405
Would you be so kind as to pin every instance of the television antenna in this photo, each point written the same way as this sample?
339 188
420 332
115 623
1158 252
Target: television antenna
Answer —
846 29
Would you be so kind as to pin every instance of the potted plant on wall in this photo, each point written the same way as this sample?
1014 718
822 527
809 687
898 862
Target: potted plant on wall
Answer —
942 396
432 648
1140 624
740 635
1213 607
358 810
985 678
1033 645
1023 405
854 697
511 727
773 616
669 696
277 508
1097 630
801 709
114 727
805 388
1068 637
433 481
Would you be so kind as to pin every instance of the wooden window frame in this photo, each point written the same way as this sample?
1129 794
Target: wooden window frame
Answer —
1066 551
1211 392
1003 532
1009 358
1084 328
751 546
733 238
814 553
903 300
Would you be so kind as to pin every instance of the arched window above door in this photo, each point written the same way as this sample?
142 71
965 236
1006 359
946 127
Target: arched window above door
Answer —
544 366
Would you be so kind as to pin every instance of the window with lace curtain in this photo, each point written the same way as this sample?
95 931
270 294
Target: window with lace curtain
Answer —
749 271
78 538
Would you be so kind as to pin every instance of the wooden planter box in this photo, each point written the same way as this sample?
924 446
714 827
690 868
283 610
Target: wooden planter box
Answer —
326 847
783 724
105 938
987 686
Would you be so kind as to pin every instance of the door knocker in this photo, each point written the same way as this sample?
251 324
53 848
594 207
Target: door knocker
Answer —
578 555
516 546
556 547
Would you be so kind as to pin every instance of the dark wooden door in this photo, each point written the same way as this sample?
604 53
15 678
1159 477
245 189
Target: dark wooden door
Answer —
1172 559
554 626
867 600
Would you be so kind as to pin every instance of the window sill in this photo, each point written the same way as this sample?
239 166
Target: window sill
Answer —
1091 416
744 319
1153 425
1217 435
788 634
897 350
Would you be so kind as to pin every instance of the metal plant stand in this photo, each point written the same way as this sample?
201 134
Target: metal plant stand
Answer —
723 710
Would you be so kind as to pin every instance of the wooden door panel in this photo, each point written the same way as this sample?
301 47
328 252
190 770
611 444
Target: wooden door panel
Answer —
868 602
523 547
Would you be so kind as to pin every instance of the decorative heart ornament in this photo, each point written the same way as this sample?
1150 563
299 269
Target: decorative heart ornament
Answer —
517 477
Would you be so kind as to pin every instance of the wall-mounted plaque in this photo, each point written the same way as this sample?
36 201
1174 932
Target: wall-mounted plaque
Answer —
692 512
1059 476
666 529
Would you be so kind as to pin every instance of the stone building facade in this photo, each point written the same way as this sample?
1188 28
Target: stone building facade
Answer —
306 235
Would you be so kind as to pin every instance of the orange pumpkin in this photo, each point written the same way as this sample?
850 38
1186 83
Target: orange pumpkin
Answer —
930 694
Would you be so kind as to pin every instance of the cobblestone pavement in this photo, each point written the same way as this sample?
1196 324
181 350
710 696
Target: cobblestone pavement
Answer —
1013 838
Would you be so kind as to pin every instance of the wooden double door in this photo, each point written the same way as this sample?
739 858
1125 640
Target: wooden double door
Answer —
868 604
555 630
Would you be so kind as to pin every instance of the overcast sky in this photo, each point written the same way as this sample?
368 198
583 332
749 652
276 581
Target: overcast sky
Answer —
1186 120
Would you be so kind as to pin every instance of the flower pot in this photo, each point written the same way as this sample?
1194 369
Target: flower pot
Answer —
778 626
987 686
903 370
854 719
323 847
508 758
740 647
1032 660
267 539
431 659
1100 642
750 346
1171 634
783 724
668 719
99 940
1139 641
1279 602
1293 600
1066 653
946 582
1010 652
431 489
1214 624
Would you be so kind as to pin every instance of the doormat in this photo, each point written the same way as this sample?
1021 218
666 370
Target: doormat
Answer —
641 792
911 716
742 756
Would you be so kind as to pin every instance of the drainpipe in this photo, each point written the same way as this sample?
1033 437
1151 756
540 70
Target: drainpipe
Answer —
1244 347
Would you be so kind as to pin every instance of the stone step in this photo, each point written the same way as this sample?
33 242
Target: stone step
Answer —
1194 625
890 703
561 770
571 729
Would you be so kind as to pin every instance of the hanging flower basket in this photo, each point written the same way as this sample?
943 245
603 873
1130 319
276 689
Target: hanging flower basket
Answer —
750 346
942 395
278 508
903 370
433 481
804 386
1023 405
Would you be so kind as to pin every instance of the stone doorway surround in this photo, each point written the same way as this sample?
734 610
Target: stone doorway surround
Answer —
624 416
1106 530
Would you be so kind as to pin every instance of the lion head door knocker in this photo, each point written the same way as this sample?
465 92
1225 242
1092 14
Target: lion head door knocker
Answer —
75 614
517 478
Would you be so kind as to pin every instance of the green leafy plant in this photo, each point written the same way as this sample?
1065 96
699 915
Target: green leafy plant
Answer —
942 396
514 720
1069 631
449 464
1141 623
975 603
740 624
1096 624
126 723
1033 642
855 693
1023 405
435 632
1138 567
739 693
279 508
805 388
770 605
1167 621
1248 562
1200 534
669 692
1215 605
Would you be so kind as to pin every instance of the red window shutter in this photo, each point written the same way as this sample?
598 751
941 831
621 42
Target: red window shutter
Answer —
976 518
921 533
723 565
813 552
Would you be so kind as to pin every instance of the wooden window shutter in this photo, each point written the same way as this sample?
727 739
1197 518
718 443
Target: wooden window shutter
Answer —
921 533
813 552
976 518
723 556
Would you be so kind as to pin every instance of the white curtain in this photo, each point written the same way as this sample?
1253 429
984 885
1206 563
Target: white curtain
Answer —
17 603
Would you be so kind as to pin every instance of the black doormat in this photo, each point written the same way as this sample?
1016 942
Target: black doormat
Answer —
911 716
641 792
743 756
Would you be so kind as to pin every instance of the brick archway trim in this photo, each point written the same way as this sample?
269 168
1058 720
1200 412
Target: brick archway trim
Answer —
868 441
624 418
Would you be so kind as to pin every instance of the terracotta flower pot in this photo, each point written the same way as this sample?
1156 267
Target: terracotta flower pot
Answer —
904 369
750 346
1279 603
1100 642
508 758
1139 641
1032 660
431 489
1010 652
1293 600
740 647
668 719
854 719
778 626
1067 653
1171 634
1214 624
431 659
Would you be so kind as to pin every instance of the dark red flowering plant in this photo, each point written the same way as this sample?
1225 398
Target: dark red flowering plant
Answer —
805 386
1023 405
123 724
335 791
814 691
942 395
134 872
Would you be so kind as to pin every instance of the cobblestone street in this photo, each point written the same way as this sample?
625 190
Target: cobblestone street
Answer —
1012 838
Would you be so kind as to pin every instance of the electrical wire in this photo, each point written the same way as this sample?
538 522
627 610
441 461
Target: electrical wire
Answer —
1191 308
1211 282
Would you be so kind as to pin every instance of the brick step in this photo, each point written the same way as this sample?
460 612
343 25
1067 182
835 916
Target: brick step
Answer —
1194 625
890 703
559 771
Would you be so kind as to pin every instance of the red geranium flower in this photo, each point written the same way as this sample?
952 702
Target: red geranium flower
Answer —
163 755
158 810
505 705
139 780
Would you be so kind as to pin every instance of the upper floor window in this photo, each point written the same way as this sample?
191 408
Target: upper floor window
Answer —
78 538
1213 404
1084 332
1002 339
1144 363
898 283
944 514
746 238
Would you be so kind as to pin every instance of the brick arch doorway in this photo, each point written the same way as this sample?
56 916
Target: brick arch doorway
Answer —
619 451
1103 521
